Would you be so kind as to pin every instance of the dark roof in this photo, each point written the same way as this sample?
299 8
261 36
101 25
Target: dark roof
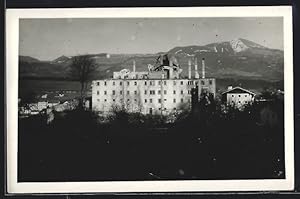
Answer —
238 90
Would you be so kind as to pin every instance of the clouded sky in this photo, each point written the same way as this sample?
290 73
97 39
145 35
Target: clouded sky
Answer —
47 39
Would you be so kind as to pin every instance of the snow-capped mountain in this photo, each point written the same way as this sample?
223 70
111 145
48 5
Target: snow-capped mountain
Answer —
239 58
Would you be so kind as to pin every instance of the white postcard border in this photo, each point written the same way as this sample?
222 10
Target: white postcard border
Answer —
12 49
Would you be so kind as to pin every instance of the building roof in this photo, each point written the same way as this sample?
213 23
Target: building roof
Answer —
238 90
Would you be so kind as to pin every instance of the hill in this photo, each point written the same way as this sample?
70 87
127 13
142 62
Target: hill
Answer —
239 58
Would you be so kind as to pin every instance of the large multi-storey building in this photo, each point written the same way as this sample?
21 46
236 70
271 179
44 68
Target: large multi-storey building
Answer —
160 90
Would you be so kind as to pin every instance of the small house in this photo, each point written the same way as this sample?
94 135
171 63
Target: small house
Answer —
238 97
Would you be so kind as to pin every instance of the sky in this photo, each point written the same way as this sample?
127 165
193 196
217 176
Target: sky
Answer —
47 39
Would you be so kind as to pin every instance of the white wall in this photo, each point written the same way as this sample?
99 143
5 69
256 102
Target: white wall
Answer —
140 101
239 99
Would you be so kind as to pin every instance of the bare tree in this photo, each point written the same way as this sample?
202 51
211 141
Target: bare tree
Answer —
82 68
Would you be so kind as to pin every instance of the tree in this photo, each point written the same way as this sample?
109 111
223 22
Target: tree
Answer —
81 69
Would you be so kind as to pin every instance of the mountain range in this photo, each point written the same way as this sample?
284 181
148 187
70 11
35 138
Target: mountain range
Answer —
239 58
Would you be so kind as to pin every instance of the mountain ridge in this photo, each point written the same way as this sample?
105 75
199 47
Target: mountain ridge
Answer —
239 58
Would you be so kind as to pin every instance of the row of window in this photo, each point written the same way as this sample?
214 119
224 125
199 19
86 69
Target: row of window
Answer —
152 83
151 110
246 102
147 101
239 95
151 92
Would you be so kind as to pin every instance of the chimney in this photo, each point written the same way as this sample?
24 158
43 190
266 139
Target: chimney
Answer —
190 69
203 68
171 73
133 66
196 69
170 63
229 88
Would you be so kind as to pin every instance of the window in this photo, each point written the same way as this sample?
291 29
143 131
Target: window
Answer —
165 109
158 92
174 92
181 92
145 92
128 100
150 83
174 109
165 100
145 100
98 83
239 102
105 92
128 83
150 111
105 100
239 95
189 91
145 83
127 92
232 95
150 100
97 92
135 100
104 83
181 82
210 82
135 83
159 82
202 82
120 83
159 109
174 100
121 92
113 92
159 100
174 83
165 82
114 83
181 100
165 92
246 95
135 92
114 100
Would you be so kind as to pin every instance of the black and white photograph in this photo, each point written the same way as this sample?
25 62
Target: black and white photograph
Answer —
149 99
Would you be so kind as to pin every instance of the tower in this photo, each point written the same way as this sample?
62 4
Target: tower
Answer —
190 69
203 68
133 66
196 69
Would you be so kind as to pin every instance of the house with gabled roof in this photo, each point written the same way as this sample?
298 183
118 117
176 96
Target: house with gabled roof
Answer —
238 96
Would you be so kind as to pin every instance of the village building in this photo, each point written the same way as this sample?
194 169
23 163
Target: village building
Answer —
238 97
55 101
160 90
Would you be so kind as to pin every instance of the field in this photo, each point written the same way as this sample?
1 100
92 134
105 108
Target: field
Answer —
74 147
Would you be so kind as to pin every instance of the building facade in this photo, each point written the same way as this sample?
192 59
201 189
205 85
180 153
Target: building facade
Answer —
153 92
238 97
